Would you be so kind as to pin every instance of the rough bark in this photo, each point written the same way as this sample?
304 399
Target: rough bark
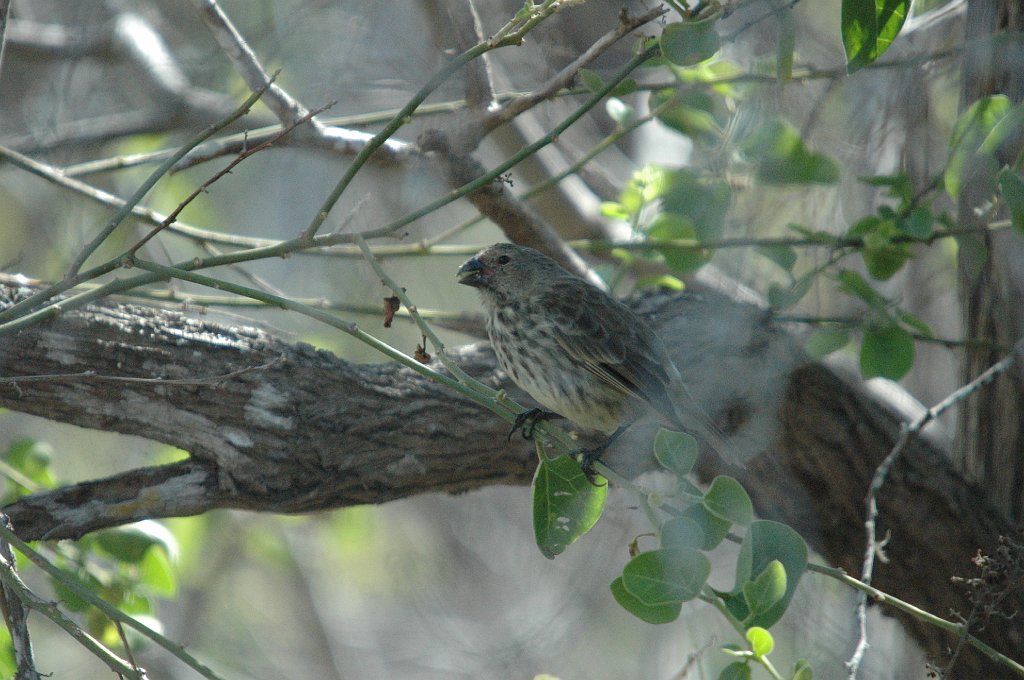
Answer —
303 431
991 272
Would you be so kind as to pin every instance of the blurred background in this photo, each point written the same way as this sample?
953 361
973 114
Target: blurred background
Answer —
435 586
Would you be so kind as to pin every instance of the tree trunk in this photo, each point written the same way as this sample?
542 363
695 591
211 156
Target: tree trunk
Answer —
991 275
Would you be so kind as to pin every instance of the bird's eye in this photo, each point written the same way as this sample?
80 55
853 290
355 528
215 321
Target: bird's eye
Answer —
504 259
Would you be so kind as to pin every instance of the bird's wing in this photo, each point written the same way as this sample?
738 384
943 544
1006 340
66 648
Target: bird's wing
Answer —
620 349
611 342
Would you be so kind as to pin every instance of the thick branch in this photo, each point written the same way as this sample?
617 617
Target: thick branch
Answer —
304 431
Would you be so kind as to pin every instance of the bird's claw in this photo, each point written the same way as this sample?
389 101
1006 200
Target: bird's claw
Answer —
586 458
526 422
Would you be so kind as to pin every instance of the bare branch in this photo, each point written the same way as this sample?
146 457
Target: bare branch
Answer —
907 433
285 107
563 79
15 612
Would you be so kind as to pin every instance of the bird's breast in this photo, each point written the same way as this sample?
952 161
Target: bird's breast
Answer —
528 350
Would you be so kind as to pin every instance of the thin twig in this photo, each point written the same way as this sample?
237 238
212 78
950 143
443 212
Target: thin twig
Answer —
286 108
170 219
907 433
564 78
92 375
135 198
424 327
10 321
110 611
15 611
885 598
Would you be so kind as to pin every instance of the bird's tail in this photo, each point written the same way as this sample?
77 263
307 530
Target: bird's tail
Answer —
694 420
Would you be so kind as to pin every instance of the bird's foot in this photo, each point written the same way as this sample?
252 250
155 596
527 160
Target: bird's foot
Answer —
526 422
586 458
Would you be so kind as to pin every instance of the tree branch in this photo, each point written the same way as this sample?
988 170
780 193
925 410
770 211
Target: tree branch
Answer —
303 431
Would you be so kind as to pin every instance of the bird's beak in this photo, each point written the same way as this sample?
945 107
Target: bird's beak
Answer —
473 273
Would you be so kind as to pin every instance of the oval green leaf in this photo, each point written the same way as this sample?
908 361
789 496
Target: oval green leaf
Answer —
676 451
765 591
689 42
130 543
666 576
714 528
681 532
761 641
665 613
825 341
728 500
565 504
765 542
886 352
737 670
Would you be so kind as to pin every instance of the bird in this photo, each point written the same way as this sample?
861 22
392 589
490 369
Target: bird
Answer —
577 351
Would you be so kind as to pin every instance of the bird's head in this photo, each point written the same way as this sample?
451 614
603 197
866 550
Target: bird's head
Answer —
506 268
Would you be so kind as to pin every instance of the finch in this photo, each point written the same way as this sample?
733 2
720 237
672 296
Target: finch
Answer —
577 351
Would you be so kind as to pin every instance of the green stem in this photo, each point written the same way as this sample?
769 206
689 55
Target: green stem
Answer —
112 612
51 611
424 327
956 629
403 115
151 181
486 397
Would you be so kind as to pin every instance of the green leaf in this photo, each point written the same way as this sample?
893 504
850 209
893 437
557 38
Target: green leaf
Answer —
728 500
868 28
882 257
565 504
967 161
689 42
899 185
32 458
767 589
737 670
825 341
802 670
665 613
664 281
681 532
780 297
691 112
68 598
765 542
784 256
676 451
627 86
917 324
919 223
853 283
591 81
614 210
131 542
782 158
157 574
887 352
666 576
1011 185
704 202
8 663
671 227
714 528
814 235
761 641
